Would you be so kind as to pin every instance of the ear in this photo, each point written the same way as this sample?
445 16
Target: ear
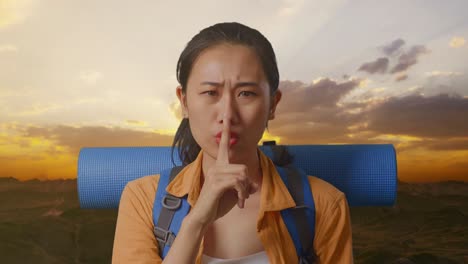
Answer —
183 101
274 102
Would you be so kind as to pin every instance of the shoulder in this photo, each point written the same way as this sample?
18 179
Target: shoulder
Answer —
330 203
324 193
142 189
331 208
145 183
134 240
136 201
333 234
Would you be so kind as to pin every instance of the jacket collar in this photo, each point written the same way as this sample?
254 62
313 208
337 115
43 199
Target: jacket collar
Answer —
274 193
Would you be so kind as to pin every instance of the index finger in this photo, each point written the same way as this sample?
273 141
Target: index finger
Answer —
223 149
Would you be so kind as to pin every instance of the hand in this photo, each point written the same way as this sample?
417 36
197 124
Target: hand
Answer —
225 184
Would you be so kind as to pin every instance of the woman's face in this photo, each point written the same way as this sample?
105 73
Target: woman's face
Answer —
228 79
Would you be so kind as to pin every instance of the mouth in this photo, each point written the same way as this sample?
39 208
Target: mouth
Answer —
233 139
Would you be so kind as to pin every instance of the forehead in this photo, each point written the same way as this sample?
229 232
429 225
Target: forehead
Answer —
227 62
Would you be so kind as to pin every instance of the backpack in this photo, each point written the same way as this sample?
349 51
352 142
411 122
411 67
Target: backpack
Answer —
169 211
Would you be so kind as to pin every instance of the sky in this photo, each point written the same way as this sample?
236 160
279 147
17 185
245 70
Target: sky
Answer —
77 74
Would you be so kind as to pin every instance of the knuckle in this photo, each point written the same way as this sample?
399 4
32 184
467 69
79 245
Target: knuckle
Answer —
243 175
238 181
243 167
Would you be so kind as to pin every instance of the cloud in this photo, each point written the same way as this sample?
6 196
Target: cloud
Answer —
97 136
323 92
401 77
311 112
438 116
445 82
176 109
393 47
378 90
11 93
136 123
364 82
51 152
380 65
405 59
8 48
90 77
409 58
457 42
443 73
37 109
290 7
448 144
15 11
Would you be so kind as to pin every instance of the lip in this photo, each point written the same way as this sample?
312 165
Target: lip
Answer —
234 137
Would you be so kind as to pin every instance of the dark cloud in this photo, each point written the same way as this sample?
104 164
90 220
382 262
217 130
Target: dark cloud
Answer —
77 137
393 47
300 97
401 77
312 127
438 122
303 120
409 58
405 59
310 113
439 116
380 65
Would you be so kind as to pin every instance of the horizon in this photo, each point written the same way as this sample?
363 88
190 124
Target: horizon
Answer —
22 180
74 179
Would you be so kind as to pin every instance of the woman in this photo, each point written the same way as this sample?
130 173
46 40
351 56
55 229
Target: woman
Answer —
228 91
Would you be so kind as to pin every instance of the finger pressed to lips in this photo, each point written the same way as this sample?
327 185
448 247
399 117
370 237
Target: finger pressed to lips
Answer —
224 142
226 139
232 141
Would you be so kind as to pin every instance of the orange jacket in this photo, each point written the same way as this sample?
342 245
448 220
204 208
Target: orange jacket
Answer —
135 242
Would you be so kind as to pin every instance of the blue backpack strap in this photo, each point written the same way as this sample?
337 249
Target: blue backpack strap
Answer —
300 220
168 212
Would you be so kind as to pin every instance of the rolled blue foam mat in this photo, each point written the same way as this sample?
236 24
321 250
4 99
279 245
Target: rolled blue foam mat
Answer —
366 173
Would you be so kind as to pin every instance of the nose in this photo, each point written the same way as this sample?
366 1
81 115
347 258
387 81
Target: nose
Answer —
227 107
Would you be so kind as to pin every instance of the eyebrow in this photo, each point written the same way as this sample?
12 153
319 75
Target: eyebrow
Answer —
239 84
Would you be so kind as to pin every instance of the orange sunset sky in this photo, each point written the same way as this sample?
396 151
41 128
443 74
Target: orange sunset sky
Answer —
79 74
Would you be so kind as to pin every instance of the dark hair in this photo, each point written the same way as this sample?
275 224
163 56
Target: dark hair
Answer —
231 33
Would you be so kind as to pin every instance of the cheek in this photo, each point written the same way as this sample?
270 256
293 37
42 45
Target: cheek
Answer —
201 120
255 120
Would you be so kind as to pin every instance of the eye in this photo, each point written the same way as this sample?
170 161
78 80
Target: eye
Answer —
210 92
247 93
